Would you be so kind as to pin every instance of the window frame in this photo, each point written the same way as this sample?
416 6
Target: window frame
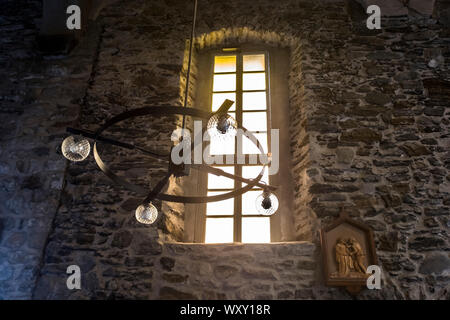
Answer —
277 80
239 53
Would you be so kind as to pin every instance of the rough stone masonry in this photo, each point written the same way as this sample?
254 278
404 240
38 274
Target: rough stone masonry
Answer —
369 131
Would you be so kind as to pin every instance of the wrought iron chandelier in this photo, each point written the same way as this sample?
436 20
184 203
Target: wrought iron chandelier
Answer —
219 124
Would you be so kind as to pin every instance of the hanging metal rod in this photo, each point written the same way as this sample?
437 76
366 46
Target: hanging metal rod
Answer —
188 72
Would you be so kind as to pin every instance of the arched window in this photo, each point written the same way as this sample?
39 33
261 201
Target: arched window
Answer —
244 74
241 76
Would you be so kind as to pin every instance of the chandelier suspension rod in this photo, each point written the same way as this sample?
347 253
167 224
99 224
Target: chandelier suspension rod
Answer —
188 72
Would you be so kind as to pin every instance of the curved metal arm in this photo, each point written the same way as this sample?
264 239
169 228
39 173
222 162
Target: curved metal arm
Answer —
157 189
220 172
124 183
129 146
168 110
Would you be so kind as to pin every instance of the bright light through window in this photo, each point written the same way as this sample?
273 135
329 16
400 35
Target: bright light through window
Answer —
256 230
224 64
241 78
255 121
254 101
254 62
219 230
220 208
224 82
254 81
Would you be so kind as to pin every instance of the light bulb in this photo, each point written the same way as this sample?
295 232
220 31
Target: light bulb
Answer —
222 125
267 203
433 63
75 148
146 213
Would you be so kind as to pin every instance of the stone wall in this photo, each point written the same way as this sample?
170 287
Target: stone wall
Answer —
236 271
39 96
369 131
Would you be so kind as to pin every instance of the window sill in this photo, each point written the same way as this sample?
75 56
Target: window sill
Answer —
295 248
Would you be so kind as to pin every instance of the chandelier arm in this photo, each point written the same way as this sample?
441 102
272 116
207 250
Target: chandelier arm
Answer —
157 189
200 199
220 172
159 156
129 146
115 178
167 110
167 197
153 110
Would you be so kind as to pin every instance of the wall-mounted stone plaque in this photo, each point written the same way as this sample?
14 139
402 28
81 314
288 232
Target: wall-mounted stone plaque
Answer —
348 248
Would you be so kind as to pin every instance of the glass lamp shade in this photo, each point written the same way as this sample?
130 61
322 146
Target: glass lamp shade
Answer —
146 213
267 203
222 125
75 148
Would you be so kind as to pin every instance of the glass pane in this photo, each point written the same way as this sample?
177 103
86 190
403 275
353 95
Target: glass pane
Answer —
225 64
219 230
254 62
254 81
254 121
249 202
248 147
220 146
219 98
254 101
221 182
251 172
256 230
225 207
224 82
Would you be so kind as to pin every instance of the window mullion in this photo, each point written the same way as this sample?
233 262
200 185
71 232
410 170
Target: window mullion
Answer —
238 168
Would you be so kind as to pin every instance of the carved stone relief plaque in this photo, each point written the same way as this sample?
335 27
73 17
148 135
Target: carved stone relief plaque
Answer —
347 250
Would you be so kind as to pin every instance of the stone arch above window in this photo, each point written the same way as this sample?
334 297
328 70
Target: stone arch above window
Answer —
301 223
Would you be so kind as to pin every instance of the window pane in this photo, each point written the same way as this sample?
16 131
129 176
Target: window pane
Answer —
220 146
256 230
225 207
251 172
254 62
224 82
254 101
248 147
249 202
254 81
221 182
254 121
219 230
219 98
225 64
